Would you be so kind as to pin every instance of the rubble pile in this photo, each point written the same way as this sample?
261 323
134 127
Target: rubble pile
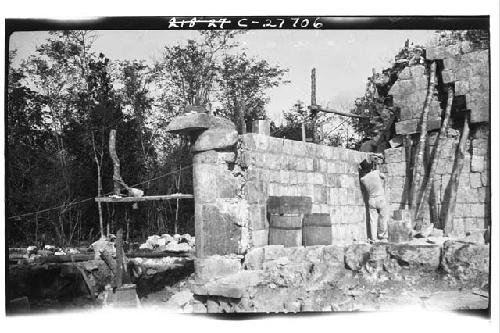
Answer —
340 278
169 243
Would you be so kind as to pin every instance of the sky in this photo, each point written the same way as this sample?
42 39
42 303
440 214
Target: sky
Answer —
343 58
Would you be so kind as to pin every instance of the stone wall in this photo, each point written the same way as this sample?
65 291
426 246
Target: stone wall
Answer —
467 71
472 211
232 188
329 175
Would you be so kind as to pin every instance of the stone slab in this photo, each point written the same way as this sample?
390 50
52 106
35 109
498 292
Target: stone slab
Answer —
216 138
412 126
214 267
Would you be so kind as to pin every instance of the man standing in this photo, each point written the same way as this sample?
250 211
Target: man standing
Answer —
373 182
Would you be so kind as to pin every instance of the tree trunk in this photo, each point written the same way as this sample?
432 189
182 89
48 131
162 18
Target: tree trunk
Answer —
419 158
455 177
437 155
117 179
241 117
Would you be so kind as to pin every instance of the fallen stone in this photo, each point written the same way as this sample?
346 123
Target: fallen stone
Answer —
425 231
475 236
216 138
465 260
199 307
295 254
233 286
399 231
314 254
437 233
293 306
272 252
146 246
416 256
356 256
216 267
254 258
178 247
288 275
333 255
437 240
391 266
213 306
179 300
103 245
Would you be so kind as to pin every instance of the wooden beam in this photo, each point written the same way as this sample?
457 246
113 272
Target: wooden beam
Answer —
145 198
345 114
313 102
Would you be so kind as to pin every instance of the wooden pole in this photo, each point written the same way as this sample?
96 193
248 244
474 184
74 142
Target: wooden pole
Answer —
241 117
313 102
119 258
116 162
437 155
303 127
317 108
417 167
455 177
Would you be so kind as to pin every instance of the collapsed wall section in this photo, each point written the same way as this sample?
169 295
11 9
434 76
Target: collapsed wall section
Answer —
467 71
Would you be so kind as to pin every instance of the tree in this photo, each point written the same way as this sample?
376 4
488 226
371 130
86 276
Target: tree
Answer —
190 70
243 84
330 124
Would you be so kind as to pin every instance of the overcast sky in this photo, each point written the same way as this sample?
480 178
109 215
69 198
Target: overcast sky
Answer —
343 58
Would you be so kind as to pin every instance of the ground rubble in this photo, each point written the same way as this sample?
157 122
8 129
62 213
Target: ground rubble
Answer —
55 278
434 273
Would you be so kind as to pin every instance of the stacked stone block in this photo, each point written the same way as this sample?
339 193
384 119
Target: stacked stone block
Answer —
329 175
396 181
469 71
472 210
220 210
409 94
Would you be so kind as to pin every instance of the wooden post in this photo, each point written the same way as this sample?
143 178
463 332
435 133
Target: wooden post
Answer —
313 102
419 157
241 117
437 155
119 258
116 162
455 177
303 128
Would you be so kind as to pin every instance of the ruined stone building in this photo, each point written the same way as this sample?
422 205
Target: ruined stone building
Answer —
239 180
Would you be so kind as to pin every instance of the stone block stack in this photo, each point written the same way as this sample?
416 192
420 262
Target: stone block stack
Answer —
329 175
469 71
409 94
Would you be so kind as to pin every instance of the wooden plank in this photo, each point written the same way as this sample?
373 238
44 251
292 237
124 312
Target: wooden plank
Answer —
145 198
346 114
157 254
65 258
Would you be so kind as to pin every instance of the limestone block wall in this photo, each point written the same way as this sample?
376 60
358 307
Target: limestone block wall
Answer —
466 69
409 93
232 186
329 175
469 71
472 211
